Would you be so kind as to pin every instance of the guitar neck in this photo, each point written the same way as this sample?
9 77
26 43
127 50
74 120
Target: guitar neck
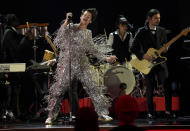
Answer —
170 42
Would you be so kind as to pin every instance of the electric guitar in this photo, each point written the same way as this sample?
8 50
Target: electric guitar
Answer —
145 66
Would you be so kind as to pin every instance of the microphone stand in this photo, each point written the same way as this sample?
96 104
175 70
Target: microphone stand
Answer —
35 46
70 80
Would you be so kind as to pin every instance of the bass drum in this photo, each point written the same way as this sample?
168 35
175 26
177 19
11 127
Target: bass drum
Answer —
119 80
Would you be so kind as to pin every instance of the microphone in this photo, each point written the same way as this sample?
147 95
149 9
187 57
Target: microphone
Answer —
70 19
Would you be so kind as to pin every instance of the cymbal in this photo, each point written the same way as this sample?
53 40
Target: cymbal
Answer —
103 48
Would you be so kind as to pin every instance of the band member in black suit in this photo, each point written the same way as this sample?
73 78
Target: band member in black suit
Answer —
2 28
10 48
10 42
121 39
153 36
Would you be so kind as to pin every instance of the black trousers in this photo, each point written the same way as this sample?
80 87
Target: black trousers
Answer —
9 93
160 73
72 95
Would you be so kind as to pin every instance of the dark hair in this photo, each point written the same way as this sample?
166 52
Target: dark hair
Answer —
151 13
86 119
2 18
121 19
93 11
12 20
126 109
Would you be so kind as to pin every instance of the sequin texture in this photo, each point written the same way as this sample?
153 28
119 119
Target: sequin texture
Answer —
73 44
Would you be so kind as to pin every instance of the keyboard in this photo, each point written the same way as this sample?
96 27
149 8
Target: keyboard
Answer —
12 67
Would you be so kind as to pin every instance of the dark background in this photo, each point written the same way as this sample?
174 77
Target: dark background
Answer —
174 13
174 17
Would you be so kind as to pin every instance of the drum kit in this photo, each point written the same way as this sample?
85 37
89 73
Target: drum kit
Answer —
115 79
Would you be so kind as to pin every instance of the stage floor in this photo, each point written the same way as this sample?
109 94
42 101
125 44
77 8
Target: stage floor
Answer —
180 123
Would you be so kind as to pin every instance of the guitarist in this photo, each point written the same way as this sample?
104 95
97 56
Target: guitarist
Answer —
153 36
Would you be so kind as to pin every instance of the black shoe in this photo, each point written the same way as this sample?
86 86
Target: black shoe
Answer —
10 115
170 115
174 115
150 116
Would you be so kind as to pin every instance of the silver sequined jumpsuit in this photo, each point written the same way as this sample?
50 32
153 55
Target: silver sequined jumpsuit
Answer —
73 44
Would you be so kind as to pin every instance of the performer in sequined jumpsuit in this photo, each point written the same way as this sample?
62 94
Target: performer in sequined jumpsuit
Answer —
74 41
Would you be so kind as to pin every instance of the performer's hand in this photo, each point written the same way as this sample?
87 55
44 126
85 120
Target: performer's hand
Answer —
29 35
114 58
69 14
111 59
165 48
67 20
148 57
50 62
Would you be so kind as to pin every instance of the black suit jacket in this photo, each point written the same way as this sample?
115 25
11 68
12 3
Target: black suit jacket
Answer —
10 43
144 39
121 48
1 37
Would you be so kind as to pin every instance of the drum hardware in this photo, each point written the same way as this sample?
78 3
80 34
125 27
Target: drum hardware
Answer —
38 30
139 90
123 86
35 45
34 34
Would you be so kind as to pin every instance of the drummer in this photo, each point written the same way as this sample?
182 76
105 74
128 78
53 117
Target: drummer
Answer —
120 40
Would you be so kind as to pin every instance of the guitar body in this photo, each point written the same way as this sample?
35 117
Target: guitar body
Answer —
145 66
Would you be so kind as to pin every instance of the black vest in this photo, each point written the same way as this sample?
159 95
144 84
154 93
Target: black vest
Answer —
121 48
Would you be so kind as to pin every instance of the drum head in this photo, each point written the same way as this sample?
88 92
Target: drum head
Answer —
119 79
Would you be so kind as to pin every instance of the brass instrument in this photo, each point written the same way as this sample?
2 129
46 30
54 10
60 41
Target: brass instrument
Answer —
48 38
49 55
